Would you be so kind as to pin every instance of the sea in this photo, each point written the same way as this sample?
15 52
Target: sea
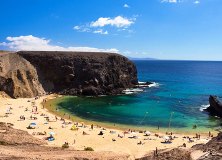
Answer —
176 101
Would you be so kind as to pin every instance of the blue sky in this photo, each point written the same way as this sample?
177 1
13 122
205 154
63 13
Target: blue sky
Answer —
163 29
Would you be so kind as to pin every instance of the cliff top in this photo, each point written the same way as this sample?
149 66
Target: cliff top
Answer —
69 54
2 52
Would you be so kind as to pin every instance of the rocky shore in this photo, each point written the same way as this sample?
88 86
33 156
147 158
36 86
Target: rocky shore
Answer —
215 107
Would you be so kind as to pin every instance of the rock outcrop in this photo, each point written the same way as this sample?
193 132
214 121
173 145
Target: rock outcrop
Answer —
18 78
215 107
33 73
212 149
11 136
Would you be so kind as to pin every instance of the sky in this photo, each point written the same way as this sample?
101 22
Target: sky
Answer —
162 29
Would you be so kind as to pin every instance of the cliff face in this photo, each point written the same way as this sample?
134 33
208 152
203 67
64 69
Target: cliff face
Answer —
18 78
32 73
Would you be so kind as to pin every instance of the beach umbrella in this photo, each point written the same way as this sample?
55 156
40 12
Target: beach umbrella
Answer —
8 110
33 124
51 133
166 138
133 134
74 128
148 133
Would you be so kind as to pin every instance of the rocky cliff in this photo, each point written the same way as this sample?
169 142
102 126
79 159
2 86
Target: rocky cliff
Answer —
18 78
32 73
215 107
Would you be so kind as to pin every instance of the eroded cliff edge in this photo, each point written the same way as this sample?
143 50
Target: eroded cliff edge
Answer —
33 73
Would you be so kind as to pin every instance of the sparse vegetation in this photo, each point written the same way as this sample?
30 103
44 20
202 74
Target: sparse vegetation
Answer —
88 149
3 143
65 145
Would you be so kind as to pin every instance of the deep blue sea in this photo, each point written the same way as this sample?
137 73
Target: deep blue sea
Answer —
184 87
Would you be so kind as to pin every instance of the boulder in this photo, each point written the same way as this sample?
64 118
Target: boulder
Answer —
215 107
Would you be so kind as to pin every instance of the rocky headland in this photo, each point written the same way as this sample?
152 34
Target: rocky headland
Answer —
35 73
215 107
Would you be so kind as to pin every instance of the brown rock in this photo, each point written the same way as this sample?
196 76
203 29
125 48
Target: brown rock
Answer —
33 73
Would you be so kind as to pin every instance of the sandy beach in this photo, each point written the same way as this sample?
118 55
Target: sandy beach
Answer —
118 141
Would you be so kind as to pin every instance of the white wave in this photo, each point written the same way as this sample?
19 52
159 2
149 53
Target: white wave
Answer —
203 107
127 92
143 84
154 84
140 86
132 90
136 90
102 95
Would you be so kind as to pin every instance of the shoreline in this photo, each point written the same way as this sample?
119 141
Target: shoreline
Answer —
50 106
109 141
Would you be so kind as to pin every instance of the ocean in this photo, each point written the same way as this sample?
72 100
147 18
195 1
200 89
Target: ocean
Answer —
176 101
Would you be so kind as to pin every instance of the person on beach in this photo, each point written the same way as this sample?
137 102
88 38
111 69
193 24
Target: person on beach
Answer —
196 135
139 143
92 126
100 133
194 126
84 133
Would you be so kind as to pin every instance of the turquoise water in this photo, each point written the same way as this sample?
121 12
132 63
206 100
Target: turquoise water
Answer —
184 86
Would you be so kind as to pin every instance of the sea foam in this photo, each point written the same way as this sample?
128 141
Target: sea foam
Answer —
203 107
143 84
140 85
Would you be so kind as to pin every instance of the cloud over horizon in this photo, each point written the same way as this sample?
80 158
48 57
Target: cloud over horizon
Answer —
41 44
180 1
170 1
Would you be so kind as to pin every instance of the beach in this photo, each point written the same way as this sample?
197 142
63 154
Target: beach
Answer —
86 135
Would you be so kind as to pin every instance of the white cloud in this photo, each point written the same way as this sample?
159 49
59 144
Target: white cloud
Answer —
126 6
118 22
180 1
97 27
169 1
41 44
100 31
77 27
196 2
82 28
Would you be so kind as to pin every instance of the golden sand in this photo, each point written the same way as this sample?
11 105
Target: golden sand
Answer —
110 141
